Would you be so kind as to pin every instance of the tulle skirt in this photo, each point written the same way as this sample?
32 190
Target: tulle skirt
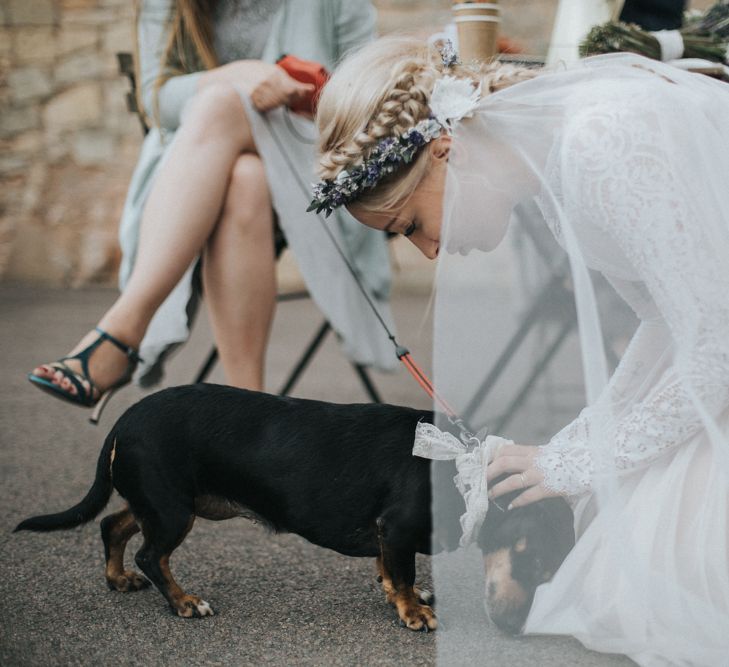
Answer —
649 575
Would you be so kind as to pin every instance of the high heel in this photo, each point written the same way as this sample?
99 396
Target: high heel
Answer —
101 404
91 397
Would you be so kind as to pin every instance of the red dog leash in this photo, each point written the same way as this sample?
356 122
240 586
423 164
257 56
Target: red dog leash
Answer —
403 354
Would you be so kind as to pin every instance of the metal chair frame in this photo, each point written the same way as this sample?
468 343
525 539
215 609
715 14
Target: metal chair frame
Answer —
558 289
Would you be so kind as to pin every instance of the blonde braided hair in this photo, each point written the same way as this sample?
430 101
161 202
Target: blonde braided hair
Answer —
402 106
382 90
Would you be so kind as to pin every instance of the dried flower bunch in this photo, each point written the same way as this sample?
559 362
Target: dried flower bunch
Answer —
704 36
715 21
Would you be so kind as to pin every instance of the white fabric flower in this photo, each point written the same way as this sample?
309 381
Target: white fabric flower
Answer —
453 99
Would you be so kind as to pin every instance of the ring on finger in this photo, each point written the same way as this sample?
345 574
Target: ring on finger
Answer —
522 476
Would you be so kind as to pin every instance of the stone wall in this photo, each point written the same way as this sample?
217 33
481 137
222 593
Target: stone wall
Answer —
68 144
67 140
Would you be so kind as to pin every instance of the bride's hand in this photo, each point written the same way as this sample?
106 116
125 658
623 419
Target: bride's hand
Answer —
519 460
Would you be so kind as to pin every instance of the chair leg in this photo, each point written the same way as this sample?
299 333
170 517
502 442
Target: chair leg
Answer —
529 320
528 384
212 358
300 367
305 358
207 366
367 383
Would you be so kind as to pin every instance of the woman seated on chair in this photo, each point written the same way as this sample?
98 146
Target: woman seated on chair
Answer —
224 161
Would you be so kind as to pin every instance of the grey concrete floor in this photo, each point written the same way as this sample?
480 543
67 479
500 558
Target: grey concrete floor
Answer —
278 599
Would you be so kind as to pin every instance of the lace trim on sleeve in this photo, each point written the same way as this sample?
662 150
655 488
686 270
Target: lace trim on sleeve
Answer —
629 187
565 463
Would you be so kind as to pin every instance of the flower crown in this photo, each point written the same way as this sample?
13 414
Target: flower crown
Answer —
451 100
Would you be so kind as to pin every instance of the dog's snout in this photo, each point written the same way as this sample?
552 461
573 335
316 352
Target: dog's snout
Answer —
511 622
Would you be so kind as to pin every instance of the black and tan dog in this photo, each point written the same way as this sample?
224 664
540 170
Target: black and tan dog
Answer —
341 476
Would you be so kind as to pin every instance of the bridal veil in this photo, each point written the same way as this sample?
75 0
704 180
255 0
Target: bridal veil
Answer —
610 181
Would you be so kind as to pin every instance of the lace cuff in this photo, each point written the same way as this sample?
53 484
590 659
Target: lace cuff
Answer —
567 466
566 471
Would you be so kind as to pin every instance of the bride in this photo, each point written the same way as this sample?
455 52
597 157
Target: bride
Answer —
626 161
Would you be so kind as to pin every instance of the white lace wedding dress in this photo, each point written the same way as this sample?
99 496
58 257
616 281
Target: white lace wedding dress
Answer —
628 161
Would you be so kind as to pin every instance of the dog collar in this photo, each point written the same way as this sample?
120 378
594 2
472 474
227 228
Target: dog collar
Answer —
470 480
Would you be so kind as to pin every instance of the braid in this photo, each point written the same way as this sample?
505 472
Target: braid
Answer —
496 76
404 105
369 98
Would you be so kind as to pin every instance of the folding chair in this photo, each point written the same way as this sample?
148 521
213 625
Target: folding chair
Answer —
126 67
554 303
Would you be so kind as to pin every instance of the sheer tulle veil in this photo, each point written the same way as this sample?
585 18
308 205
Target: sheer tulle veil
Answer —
619 167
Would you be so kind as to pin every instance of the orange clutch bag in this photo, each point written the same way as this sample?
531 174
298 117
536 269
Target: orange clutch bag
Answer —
306 71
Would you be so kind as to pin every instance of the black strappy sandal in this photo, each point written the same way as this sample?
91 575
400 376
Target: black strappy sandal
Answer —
91 397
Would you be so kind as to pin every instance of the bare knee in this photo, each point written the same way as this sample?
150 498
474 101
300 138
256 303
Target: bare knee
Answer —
216 111
248 178
248 202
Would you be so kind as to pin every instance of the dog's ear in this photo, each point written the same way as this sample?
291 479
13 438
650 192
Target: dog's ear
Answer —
496 515
559 517
555 531
492 535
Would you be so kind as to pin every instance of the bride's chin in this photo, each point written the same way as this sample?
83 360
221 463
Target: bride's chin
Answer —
467 231
453 248
465 246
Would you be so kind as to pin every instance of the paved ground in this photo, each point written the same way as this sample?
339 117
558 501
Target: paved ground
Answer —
279 600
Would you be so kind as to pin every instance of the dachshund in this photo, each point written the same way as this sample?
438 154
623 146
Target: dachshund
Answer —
341 476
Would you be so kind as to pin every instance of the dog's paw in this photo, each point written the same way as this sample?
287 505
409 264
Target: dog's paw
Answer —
128 582
418 617
191 606
425 596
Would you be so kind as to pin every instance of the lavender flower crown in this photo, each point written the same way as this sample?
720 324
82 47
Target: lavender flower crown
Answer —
386 157
451 100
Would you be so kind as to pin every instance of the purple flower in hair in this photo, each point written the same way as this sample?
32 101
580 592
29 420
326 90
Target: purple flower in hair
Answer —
384 159
372 174
416 138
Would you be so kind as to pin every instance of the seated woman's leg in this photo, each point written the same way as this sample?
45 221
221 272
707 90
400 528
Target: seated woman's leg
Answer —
183 207
239 277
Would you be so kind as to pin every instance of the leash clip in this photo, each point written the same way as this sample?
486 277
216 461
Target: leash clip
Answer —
472 441
467 437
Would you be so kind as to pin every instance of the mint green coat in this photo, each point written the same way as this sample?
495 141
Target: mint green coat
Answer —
320 30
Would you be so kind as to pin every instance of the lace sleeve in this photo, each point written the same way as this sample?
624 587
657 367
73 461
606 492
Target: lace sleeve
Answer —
644 198
566 460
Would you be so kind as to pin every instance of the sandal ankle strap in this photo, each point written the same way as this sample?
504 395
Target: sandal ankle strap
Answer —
127 349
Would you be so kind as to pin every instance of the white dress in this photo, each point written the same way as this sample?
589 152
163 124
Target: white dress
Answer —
628 160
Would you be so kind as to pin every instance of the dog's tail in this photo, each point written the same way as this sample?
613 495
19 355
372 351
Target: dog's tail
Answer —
95 500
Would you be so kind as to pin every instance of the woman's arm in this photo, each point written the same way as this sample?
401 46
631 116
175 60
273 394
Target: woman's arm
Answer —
681 262
646 199
565 465
355 25
268 85
566 461
153 31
